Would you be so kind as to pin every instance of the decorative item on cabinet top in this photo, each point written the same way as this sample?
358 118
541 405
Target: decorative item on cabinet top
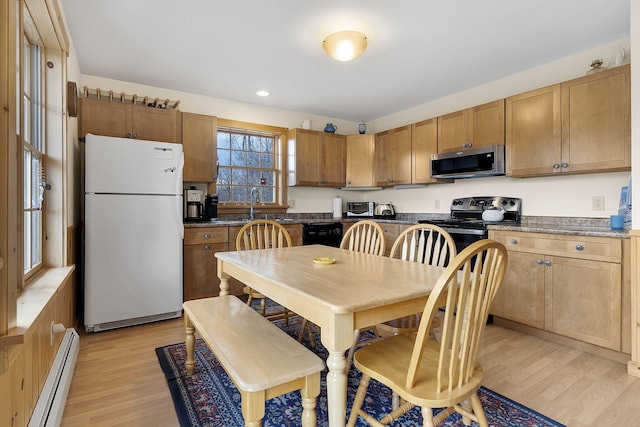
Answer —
133 99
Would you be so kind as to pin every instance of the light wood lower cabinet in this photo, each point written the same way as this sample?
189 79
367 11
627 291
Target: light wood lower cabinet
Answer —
391 233
200 263
572 286
521 297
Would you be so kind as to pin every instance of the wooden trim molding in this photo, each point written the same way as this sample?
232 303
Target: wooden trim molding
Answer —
633 366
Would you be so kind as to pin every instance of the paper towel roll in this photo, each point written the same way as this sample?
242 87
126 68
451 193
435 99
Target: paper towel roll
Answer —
337 207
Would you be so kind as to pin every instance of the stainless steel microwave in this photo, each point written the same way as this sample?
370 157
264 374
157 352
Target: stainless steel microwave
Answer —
360 209
475 162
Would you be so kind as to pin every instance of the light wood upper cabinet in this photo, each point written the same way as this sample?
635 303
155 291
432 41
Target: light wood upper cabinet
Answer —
424 143
360 152
333 160
393 157
596 122
316 159
126 120
105 118
533 132
199 141
582 125
473 127
156 124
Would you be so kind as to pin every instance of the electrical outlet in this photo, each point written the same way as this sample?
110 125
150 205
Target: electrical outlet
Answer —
291 203
597 203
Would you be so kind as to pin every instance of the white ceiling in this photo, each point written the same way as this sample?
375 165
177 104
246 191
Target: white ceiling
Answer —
419 50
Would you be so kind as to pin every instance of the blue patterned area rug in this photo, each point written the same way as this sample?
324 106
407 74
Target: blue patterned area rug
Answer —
209 398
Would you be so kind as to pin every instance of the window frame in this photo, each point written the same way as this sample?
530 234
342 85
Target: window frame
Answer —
35 144
280 168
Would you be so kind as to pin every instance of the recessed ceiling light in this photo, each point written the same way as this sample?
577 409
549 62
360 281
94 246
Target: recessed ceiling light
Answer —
262 93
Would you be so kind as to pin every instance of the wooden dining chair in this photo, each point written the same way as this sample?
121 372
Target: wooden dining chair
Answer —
368 237
433 374
423 243
263 234
426 244
364 236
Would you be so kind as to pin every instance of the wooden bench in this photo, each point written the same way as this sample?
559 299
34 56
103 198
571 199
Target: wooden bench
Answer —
261 359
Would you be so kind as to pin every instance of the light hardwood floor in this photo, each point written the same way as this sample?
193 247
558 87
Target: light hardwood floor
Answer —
118 381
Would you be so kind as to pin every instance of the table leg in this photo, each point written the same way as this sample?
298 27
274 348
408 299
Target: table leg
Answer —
337 388
224 279
190 341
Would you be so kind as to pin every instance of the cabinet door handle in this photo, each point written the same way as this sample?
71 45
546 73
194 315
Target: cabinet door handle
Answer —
514 242
207 247
565 165
547 263
539 261
207 236
579 247
556 165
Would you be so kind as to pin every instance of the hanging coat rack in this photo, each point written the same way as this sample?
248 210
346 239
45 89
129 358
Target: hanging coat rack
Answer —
122 97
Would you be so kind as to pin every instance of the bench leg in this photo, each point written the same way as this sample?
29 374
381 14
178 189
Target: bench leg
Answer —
253 408
190 342
310 392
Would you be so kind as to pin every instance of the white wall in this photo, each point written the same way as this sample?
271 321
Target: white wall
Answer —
554 196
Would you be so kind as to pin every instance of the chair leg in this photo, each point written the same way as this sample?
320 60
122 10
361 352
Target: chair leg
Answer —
263 306
302 328
358 400
427 417
395 400
356 337
249 300
306 325
478 410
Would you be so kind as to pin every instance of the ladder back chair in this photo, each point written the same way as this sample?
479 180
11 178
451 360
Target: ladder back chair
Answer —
433 374
427 244
423 243
263 234
368 237
364 236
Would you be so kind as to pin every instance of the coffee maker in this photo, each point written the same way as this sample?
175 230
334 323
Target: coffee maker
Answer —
193 209
211 207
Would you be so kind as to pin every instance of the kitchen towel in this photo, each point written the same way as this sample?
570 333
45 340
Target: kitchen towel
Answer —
337 207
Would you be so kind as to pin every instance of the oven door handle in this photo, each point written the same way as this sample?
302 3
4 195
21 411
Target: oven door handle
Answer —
468 231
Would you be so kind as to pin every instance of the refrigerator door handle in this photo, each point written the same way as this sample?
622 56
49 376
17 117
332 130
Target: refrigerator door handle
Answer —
179 201
179 223
179 175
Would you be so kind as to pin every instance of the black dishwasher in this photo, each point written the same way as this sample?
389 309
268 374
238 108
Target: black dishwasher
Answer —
322 233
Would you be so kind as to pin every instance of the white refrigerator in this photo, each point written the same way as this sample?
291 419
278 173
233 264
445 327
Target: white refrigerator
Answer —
133 232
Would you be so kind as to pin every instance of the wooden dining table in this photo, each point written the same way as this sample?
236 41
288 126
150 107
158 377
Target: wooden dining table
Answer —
355 291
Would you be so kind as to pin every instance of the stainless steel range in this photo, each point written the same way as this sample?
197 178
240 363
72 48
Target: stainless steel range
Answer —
465 223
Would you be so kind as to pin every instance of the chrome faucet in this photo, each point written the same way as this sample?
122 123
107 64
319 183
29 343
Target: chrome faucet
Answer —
254 196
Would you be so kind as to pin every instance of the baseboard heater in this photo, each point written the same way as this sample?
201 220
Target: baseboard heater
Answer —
50 405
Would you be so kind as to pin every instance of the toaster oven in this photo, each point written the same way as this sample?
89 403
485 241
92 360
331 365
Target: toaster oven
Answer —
360 209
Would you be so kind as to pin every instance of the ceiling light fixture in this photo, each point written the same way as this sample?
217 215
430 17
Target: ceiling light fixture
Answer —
262 93
344 45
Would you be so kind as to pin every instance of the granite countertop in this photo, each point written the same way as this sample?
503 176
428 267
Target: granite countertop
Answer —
296 220
596 227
